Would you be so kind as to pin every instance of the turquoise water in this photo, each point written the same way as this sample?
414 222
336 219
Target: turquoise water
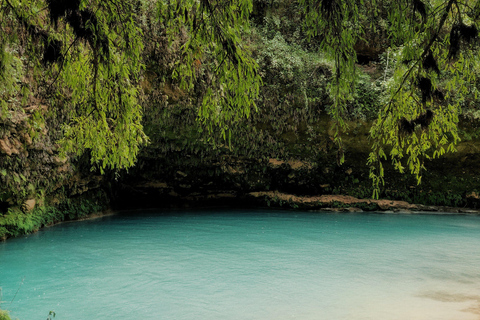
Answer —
247 265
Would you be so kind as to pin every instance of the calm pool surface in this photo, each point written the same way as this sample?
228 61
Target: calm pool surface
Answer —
246 265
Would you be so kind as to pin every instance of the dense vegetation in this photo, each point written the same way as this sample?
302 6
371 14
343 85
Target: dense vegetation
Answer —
4 315
205 95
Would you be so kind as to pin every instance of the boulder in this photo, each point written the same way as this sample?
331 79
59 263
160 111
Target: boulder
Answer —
29 205
5 146
9 148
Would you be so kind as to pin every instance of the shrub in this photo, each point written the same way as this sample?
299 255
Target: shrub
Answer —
4 315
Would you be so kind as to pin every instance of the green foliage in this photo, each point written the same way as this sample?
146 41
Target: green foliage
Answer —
166 63
287 68
294 88
31 177
339 25
11 72
366 98
427 37
103 82
16 222
86 53
4 315
90 54
420 120
215 52
51 315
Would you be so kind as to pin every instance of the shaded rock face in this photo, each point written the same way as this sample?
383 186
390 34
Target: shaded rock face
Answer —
299 184
288 148
366 52
473 200
371 47
31 168
15 138
181 176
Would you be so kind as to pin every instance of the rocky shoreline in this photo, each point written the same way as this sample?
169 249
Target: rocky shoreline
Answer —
342 203
162 196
